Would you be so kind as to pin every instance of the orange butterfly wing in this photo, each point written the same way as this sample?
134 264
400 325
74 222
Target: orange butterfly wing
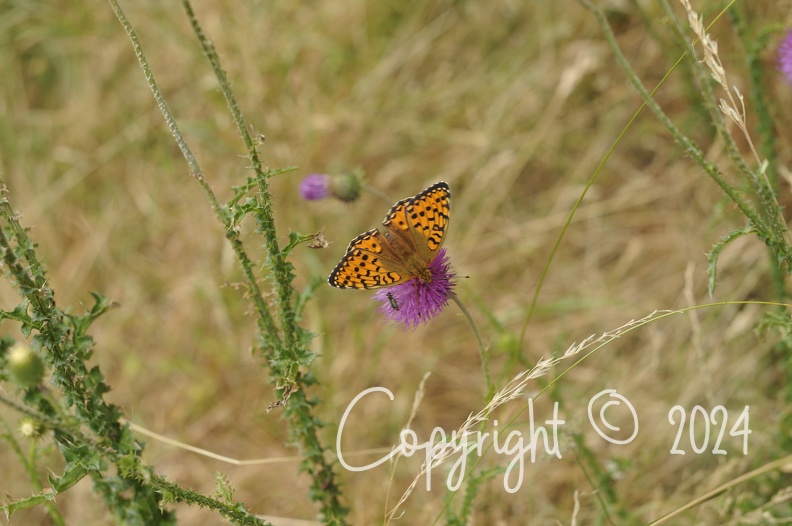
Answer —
415 230
425 216
368 264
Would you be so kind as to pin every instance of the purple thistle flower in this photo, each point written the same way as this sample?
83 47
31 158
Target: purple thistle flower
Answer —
414 302
315 187
785 56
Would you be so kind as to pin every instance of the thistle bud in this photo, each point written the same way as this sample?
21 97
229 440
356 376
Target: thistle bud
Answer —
347 187
30 428
25 366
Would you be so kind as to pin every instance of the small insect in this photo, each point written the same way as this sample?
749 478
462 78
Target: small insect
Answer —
394 305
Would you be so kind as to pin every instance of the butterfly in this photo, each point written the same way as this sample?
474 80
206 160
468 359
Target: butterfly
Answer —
414 232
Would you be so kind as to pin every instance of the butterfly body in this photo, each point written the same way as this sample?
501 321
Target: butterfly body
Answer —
414 232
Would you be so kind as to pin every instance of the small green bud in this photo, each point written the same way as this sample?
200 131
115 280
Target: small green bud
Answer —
347 187
25 366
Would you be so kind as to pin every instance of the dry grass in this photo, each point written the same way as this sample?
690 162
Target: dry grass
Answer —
513 104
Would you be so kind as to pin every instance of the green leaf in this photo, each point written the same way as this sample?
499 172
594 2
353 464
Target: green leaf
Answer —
6 342
72 474
240 191
24 504
83 322
20 314
128 465
714 254
295 238
80 454
101 304
223 489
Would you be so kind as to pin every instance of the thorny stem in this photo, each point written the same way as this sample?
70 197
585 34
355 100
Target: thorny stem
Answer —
28 462
282 345
735 112
195 170
769 234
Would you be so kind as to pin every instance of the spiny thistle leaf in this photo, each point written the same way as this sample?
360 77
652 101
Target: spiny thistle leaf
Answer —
72 474
714 254
23 504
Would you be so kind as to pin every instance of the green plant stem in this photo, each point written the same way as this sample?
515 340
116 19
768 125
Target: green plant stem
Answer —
73 434
28 462
601 485
769 209
483 353
378 193
32 286
65 348
282 354
265 318
283 359
753 45
778 464
767 233
175 493
708 96
768 139
648 100
266 216
27 410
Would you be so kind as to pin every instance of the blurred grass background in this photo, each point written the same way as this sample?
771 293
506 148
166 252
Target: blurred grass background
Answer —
514 104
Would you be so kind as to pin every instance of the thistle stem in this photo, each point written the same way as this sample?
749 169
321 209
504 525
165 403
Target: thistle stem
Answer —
483 351
378 193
